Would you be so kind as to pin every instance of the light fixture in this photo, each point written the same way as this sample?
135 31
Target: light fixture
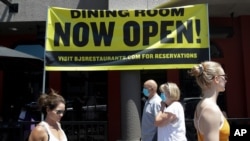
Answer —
222 31
13 28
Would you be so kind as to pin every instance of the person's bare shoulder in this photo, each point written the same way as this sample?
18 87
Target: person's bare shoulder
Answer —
208 108
38 133
210 117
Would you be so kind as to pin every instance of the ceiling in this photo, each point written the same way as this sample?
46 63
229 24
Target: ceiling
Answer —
216 8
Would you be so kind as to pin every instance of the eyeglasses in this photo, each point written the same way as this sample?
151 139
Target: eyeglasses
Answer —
224 76
59 112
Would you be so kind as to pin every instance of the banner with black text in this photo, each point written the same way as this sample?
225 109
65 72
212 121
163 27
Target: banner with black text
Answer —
171 38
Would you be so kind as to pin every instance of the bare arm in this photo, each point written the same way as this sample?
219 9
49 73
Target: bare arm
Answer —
164 118
38 134
210 124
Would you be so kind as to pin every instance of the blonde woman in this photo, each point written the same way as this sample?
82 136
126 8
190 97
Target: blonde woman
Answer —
209 120
171 120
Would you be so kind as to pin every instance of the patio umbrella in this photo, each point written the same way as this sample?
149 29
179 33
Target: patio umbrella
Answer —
14 60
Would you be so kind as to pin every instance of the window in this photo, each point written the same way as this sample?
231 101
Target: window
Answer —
86 94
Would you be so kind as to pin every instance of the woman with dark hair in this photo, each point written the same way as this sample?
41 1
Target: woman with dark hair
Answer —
52 106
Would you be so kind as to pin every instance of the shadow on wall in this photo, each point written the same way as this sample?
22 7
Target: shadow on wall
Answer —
6 16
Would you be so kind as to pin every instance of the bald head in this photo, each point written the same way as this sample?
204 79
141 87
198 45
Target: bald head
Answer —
151 85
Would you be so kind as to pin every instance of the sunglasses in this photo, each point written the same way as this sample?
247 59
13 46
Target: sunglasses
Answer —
224 76
59 112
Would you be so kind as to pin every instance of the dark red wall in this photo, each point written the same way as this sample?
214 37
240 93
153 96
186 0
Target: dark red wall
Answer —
173 76
234 60
245 43
114 106
55 80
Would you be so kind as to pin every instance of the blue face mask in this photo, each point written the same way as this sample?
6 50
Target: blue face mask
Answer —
163 97
145 92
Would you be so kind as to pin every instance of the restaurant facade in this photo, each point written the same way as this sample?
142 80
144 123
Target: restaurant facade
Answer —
23 28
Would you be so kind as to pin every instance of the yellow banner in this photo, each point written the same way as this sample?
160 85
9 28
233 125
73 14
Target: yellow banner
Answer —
168 38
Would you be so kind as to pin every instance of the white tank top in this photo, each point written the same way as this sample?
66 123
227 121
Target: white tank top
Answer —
51 136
